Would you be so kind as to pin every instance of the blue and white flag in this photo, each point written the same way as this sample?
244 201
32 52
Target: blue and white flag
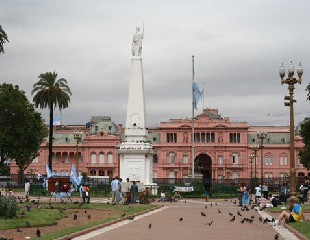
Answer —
49 172
56 121
74 177
197 94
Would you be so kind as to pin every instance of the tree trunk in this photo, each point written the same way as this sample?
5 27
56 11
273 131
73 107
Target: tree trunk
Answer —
50 143
20 177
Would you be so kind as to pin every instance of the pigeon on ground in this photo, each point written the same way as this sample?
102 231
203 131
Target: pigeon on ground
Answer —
131 217
276 236
75 217
239 214
150 225
209 223
233 219
123 215
88 216
18 230
218 211
230 214
203 214
38 232
180 219
260 219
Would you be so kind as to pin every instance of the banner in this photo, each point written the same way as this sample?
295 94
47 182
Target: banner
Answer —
183 189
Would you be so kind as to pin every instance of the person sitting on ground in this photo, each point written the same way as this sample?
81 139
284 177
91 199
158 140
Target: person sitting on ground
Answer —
273 202
295 215
176 196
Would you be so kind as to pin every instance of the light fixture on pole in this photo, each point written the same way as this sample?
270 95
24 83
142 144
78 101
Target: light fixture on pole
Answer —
78 137
291 81
261 134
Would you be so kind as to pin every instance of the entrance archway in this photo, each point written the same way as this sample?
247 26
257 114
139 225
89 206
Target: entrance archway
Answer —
203 166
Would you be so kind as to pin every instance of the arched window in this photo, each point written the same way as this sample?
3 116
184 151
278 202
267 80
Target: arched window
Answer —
92 172
66 157
93 158
171 157
197 137
110 157
268 159
203 137
283 159
212 137
208 137
101 158
301 174
101 173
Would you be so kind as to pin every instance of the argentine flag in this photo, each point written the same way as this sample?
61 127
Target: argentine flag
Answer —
49 172
197 94
56 121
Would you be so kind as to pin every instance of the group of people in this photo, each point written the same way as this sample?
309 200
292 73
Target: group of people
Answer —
243 194
117 192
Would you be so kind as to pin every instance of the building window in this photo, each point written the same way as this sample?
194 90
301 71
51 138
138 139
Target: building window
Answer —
283 160
268 159
155 175
93 172
298 160
282 140
171 177
185 159
101 173
212 137
66 157
220 159
235 175
197 137
203 137
101 158
234 137
235 158
155 158
93 158
171 158
110 158
171 137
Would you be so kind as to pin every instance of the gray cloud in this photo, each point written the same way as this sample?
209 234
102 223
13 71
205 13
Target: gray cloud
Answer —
238 47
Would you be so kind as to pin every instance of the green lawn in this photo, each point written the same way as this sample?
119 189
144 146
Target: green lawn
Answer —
46 216
302 227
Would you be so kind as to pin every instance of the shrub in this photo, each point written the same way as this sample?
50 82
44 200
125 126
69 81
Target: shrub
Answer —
8 207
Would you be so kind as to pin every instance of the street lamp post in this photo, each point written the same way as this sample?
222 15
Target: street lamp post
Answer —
255 148
261 134
78 138
291 81
251 157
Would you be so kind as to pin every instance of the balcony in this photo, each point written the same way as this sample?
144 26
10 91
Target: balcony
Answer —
229 166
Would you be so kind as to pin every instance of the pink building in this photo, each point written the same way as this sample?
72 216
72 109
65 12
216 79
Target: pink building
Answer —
221 147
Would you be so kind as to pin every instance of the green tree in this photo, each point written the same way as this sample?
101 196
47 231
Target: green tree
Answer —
50 93
21 128
305 153
3 39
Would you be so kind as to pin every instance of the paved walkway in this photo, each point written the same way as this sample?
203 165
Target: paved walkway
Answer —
166 224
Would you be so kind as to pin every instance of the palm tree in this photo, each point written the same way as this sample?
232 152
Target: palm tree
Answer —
50 93
3 39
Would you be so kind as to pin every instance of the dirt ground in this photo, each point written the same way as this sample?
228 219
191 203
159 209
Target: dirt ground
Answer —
67 222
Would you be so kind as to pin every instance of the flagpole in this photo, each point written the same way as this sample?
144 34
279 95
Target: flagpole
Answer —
193 134
203 95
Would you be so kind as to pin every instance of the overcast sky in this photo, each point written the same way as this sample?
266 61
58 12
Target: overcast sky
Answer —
238 47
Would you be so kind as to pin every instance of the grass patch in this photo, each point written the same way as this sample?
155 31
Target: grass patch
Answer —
302 227
278 208
46 216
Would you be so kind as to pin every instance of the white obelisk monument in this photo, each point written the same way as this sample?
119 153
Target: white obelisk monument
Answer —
136 152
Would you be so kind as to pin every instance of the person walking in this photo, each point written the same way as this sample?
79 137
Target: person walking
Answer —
133 192
240 193
27 189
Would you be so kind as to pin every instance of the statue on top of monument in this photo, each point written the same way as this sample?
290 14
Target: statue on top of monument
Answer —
137 42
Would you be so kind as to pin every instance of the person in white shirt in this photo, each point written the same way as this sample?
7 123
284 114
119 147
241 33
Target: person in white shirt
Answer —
258 193
27 189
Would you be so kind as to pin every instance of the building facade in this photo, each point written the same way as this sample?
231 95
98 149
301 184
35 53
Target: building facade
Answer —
221 149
